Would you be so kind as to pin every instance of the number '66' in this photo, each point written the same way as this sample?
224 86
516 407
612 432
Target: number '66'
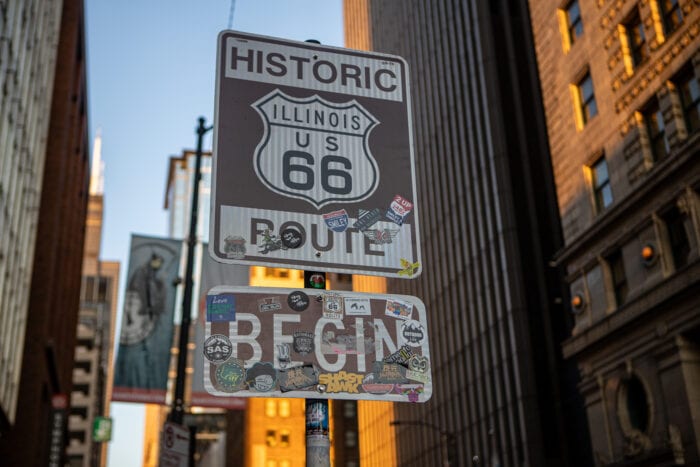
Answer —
300 162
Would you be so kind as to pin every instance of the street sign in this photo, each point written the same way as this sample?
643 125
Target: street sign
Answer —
174 446
313 159
310 343
102 429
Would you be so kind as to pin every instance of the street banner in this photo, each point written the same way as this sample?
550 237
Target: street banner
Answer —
102 429
313 164
212 273
143 356
57 429
310 343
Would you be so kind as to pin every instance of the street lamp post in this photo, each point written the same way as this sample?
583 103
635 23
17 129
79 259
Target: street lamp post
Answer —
449 439
178 410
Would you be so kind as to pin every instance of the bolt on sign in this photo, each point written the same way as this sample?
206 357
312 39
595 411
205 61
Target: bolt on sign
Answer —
313 159
309 343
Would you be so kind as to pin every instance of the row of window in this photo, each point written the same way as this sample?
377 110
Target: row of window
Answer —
668 11
676 243
687 89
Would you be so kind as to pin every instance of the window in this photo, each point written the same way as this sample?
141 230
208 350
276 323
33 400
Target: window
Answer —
602 192
284 438
277 272
270 407
639 51
671 14
689 91
654 122
678 241
633 406
619 279
271 438
586 98
284 408
573 20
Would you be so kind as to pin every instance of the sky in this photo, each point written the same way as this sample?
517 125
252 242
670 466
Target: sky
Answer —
151 74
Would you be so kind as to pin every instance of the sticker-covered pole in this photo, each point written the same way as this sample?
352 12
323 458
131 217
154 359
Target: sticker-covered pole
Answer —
318 444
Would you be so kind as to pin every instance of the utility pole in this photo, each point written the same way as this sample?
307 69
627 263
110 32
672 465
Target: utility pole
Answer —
178 409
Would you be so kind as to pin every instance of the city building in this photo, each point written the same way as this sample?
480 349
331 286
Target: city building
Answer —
93 371
502 393
44 177
621 88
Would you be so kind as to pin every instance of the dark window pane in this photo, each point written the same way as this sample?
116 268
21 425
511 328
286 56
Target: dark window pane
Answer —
619 279
573 16
637 40
656 129
589 108
637 405
690 99
672 15
677 236
601 185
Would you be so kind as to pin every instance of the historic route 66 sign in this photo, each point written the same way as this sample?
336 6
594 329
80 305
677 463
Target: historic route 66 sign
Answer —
313 143
325 157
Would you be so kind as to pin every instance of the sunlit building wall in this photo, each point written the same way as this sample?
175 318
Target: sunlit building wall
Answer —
621 88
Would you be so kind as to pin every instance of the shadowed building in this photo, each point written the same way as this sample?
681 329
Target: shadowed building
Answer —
489 229
621 85
44 180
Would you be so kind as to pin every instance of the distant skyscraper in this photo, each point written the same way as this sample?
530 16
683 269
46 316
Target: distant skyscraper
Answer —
621 86
93 372
489 231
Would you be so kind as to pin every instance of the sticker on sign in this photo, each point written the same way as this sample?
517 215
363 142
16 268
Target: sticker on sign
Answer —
313 164
337 345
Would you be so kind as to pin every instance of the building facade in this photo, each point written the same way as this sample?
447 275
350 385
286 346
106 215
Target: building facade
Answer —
45 181
621 94
490 230
93 371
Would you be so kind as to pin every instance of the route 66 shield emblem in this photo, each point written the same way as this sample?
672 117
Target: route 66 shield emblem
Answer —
315 150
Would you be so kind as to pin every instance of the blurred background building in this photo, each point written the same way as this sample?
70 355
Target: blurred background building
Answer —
93 371
44 180
622 106
490 229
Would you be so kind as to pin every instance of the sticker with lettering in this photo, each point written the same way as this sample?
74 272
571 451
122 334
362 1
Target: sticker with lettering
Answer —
337 221
399 208
367 219
389 373
413 332
230 375
298 377
303 342
418 366
298 300
269 304
261 377
221 307
357 306
398 309
292 238
401 356
371 386
234 247
217 348
342 381
332 306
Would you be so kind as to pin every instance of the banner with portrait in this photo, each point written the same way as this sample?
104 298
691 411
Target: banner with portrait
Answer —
212 273
143 356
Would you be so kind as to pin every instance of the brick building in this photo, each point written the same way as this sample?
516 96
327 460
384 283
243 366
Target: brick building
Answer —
621 90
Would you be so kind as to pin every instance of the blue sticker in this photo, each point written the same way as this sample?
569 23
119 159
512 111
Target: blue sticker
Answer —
221 307
337 221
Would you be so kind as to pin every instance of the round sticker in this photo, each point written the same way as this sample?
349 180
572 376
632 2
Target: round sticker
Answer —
230 375
413 332
217 348
298 300
291 238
